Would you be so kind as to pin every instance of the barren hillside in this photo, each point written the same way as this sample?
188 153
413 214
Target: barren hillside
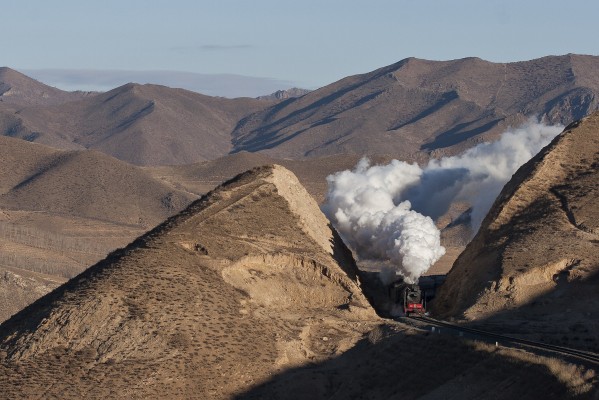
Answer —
248 294
533 268
231 284
82 183
416 107
61 211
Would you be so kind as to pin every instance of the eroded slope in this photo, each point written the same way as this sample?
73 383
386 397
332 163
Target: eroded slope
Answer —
245 282
533 268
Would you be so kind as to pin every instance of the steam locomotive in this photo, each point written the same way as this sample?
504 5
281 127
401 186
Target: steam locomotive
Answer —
409 296
413 298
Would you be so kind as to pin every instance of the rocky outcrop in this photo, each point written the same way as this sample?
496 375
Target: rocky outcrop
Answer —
285 94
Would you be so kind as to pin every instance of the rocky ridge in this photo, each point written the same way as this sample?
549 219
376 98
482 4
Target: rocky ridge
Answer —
533 267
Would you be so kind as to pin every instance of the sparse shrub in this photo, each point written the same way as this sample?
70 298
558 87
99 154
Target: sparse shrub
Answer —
376 335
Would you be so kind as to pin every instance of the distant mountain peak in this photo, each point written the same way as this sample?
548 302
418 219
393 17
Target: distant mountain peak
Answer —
19 89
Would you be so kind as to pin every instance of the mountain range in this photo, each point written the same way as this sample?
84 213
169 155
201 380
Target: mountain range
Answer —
129 269
410 110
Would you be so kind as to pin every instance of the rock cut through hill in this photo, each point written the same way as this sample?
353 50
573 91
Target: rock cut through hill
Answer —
533 267
246 281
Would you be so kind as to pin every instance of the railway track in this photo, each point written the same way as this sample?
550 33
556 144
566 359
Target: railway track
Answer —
583 355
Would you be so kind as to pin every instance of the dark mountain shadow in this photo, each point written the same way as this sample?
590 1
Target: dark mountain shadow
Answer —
460 133
566 316
392 363
396 362
444 100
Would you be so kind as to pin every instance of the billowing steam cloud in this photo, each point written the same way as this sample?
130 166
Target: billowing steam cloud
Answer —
386 212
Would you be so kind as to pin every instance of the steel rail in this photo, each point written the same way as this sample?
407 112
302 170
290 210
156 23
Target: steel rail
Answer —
588 356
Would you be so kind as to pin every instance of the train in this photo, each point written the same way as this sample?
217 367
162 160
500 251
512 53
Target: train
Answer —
409 297
413 297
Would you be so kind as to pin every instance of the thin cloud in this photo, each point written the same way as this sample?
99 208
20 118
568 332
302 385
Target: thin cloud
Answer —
211 47
224 85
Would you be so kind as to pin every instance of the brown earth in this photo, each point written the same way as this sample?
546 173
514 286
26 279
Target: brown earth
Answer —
86 184
248 293
202 177
416 108
533 267
39 251
61 211
242 282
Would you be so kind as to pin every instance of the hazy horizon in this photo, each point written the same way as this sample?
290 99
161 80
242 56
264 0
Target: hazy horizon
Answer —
269 45
224 85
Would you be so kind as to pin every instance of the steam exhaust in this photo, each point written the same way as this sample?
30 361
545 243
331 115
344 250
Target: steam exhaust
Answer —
386 213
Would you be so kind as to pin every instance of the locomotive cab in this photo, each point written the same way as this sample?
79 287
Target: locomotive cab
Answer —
412 300
408 296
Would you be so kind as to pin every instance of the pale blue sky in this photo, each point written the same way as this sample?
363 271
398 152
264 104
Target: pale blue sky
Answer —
305 43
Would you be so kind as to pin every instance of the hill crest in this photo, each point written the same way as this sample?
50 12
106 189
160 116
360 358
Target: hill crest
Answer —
20 90
197 295
423 107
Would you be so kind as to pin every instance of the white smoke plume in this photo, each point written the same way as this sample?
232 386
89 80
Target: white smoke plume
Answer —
386 212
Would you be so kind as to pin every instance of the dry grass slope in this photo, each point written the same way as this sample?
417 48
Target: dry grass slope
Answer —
247 293
231 284
61 211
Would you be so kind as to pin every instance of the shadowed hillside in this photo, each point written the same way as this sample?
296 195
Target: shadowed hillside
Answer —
419 106
533 267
